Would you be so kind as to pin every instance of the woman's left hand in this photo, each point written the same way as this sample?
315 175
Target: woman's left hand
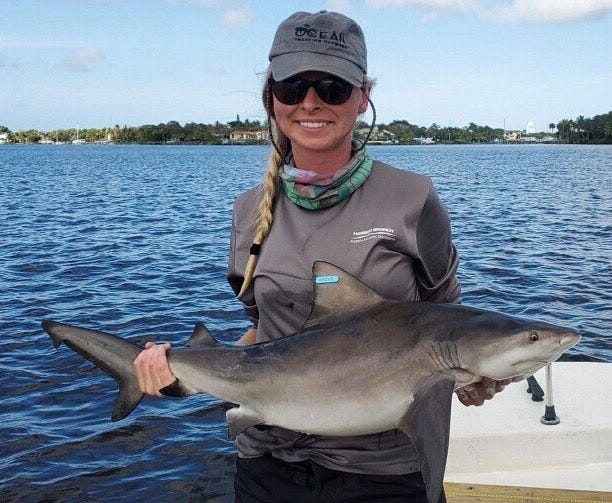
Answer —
476 393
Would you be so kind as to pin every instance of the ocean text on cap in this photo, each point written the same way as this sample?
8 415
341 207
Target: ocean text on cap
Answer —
307 33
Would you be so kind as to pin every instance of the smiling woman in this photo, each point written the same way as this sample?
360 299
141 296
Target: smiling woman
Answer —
323 197
317 113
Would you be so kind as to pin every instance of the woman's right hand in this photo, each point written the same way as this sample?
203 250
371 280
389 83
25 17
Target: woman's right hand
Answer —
249 337
152 369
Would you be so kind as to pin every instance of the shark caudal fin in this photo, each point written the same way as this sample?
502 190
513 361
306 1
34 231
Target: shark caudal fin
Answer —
110 353
128 399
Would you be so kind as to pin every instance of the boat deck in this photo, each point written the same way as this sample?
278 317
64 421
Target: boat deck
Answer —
473 493
502 450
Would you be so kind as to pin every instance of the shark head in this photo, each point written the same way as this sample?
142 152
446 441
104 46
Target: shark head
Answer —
468 342
521 351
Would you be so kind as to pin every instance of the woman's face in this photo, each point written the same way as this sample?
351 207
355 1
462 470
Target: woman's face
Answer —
317 130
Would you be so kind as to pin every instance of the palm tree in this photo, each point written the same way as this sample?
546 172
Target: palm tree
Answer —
581 128
564 130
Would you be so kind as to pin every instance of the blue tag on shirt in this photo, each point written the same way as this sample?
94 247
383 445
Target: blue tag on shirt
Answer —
322 280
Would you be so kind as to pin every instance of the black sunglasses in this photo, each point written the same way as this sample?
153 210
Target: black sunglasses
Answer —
332 90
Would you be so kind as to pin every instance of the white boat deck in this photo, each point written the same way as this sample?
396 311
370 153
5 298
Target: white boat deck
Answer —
504 443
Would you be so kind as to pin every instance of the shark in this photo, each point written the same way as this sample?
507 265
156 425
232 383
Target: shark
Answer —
361 364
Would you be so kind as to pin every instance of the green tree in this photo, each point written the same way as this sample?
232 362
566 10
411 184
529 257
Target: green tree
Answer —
607 129
564 130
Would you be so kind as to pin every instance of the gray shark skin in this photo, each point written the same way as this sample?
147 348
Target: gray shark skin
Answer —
360 365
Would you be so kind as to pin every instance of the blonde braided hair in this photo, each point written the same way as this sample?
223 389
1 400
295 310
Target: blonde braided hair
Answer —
270 186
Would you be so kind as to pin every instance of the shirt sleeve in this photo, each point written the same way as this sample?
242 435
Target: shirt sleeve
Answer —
437 259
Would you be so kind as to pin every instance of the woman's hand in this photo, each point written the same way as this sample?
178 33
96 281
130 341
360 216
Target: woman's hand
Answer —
249 337
152 369
476 393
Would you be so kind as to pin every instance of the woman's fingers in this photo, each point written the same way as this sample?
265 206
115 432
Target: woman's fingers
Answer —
152 369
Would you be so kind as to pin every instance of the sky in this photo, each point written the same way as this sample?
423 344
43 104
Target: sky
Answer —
101 63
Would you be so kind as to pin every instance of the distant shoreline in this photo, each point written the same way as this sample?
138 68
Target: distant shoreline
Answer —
244 144
399 132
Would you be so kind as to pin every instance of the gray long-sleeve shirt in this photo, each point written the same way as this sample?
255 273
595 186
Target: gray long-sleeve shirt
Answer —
393 233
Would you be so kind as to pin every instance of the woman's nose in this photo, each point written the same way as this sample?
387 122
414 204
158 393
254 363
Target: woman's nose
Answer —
311 100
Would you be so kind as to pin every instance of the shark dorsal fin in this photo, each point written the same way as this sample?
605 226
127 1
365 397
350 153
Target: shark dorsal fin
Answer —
338 296
201 337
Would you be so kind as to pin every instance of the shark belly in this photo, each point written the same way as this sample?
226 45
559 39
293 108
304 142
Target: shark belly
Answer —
318 403
337 418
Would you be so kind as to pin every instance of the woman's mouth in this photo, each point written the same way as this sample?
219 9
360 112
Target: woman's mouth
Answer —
313 125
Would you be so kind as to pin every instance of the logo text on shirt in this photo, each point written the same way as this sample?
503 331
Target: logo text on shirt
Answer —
373 233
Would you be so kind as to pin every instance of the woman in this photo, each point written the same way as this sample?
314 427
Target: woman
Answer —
324 198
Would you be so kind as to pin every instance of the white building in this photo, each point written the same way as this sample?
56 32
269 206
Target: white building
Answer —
245 136
531 127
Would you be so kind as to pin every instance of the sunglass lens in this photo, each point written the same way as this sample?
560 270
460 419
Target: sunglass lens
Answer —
290 92
333 91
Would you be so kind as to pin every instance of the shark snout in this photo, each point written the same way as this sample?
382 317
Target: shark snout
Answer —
569 339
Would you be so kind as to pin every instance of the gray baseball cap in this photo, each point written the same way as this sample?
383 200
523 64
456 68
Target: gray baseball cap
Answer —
325 41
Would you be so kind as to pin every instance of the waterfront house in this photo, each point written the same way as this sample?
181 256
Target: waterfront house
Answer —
248 136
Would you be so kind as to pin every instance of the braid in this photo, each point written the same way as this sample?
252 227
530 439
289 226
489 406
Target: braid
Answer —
270 185
263 220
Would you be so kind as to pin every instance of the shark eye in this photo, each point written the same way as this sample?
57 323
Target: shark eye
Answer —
534 337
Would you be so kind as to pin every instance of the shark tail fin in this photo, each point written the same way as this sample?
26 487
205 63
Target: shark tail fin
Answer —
51 327
109 353
128 399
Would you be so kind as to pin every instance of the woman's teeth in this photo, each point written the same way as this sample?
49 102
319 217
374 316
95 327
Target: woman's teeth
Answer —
313 125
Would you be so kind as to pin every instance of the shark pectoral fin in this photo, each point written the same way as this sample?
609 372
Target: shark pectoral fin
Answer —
127 400
427 423
241 418
463 377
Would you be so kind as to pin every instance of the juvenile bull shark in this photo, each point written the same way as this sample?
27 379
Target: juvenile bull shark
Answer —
360 365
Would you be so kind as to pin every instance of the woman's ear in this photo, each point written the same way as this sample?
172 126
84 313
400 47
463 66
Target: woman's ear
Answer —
365 98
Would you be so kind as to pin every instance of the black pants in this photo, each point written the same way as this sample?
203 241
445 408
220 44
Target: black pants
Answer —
270 480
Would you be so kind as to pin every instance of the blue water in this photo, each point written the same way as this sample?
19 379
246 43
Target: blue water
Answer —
133 240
